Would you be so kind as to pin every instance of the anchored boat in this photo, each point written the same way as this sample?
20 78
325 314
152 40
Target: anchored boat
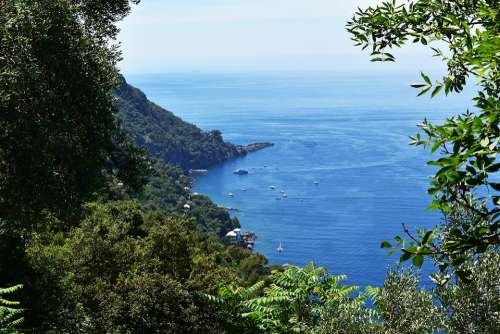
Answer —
280 248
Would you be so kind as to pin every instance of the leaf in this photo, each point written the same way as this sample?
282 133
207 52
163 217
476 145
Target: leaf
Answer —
427 237
418 260
423 91
426 78
436 90
484 142
405 256
493 168
385 244
495 186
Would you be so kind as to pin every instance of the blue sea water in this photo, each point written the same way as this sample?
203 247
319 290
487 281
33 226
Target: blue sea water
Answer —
347 132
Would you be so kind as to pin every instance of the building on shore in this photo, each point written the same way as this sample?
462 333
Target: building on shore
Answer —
245 240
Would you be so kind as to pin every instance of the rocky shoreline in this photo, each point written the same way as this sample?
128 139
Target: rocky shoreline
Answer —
244 149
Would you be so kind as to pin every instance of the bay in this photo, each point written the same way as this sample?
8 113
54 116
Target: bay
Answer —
341 156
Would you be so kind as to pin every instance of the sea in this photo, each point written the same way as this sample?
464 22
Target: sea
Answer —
341 176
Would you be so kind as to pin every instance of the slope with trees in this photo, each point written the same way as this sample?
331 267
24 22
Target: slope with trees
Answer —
167 137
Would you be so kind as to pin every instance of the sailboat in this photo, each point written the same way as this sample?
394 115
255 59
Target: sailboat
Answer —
280 248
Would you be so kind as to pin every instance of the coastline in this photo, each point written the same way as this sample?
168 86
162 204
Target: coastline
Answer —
244 239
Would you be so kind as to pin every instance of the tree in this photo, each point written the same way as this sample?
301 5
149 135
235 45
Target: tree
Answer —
124 270
60 141
472 306
465 181
351 315
405 308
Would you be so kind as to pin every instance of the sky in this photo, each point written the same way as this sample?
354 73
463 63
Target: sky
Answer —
249 35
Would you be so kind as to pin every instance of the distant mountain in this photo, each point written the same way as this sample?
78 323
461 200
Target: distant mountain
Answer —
169 138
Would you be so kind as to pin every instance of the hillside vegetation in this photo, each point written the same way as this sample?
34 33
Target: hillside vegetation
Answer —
166 136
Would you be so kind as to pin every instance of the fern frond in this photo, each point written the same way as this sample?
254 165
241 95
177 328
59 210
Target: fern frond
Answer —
9 313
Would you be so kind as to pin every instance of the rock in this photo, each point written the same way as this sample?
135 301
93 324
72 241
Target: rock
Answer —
244 149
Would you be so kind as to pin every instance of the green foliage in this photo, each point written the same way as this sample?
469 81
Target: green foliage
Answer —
291 302
230 303
350 315
210 217
10 313
405 308
250 268
168 189
124 270
468 143
401 306
57 75
472 306
166 136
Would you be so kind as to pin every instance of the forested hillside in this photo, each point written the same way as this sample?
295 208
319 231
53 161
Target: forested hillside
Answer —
166 136
174 146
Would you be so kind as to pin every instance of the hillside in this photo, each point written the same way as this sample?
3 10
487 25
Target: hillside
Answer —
167 137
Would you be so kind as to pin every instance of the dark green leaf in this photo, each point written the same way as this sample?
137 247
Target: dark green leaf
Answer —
385 244
418 260
426 78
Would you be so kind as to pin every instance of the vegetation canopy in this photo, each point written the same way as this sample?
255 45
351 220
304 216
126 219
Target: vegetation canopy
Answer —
59 142
465 186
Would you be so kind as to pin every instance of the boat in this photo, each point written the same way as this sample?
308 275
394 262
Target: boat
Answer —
316 182
240 172
230 194
285 195
280 248
272 187
243 189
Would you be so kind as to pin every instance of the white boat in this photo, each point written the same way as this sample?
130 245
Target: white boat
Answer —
285 195
272 187
280 248
230 194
